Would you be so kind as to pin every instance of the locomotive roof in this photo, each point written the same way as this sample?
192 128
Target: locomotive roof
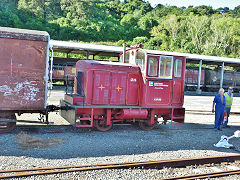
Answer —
15 33
167 53
92 62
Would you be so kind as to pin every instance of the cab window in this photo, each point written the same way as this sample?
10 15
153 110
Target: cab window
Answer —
153 66
140 60
127 56
132 57
178 68
165 67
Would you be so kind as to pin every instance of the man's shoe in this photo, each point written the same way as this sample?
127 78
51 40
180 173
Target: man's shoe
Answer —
227 126
219 129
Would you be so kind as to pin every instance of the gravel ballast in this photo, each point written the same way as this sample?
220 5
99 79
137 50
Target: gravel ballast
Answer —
124 143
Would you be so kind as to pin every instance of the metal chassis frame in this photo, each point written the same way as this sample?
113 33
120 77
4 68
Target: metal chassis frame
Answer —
74 108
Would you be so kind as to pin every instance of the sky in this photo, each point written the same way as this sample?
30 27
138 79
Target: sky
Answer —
214 3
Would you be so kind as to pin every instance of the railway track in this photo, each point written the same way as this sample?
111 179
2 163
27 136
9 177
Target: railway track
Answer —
173 163
206 175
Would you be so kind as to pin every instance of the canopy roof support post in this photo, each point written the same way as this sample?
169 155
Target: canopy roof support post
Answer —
87 55
222 73
124 53
199 91
51 68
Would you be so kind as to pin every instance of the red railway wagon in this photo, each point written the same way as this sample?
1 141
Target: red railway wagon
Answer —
58 73
69 73
23 74
191 78
63 73
147 86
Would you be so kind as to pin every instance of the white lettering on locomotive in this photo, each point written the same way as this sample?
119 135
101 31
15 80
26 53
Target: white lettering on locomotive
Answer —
158 88
160 84
133 80
157 99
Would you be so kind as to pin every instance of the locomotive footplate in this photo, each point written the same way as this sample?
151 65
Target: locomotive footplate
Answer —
102 117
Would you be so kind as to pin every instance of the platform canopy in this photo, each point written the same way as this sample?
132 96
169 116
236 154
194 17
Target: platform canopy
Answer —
114 51
213 60
85 48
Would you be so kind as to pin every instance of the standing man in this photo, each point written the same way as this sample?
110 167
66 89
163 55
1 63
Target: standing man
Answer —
219 105
229 99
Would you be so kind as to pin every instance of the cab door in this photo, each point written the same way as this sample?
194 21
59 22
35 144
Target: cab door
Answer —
101 87
158 91
178 80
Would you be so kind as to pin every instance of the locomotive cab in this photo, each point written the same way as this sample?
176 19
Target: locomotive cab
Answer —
163 77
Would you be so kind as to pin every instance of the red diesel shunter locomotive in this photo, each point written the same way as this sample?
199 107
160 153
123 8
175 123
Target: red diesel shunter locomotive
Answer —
147 86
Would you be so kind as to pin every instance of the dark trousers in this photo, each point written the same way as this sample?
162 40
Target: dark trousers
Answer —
219 113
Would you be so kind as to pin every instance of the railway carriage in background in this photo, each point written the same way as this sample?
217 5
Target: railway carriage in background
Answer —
63 73
191 78
148 85
210 79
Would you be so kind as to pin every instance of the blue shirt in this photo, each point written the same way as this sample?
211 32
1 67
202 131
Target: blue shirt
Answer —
219 104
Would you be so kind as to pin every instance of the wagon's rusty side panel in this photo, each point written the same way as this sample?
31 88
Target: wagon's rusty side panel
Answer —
22 69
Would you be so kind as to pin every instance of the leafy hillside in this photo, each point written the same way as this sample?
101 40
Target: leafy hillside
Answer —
201 29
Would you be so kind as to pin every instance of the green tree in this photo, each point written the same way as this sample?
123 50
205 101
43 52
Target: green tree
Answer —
198 30
236 11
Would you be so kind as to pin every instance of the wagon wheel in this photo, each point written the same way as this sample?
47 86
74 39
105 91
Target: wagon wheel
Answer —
100 125
7 127
145 126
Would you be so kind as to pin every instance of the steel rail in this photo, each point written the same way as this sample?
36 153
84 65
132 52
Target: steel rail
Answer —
143 164
205 175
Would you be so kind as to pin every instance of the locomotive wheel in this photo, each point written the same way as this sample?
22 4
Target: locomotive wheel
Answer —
7 127
145 126
100 125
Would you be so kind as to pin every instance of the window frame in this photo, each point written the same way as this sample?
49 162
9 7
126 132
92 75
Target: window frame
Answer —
144 62
159 58
175 68
128 57
171 70
153 56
